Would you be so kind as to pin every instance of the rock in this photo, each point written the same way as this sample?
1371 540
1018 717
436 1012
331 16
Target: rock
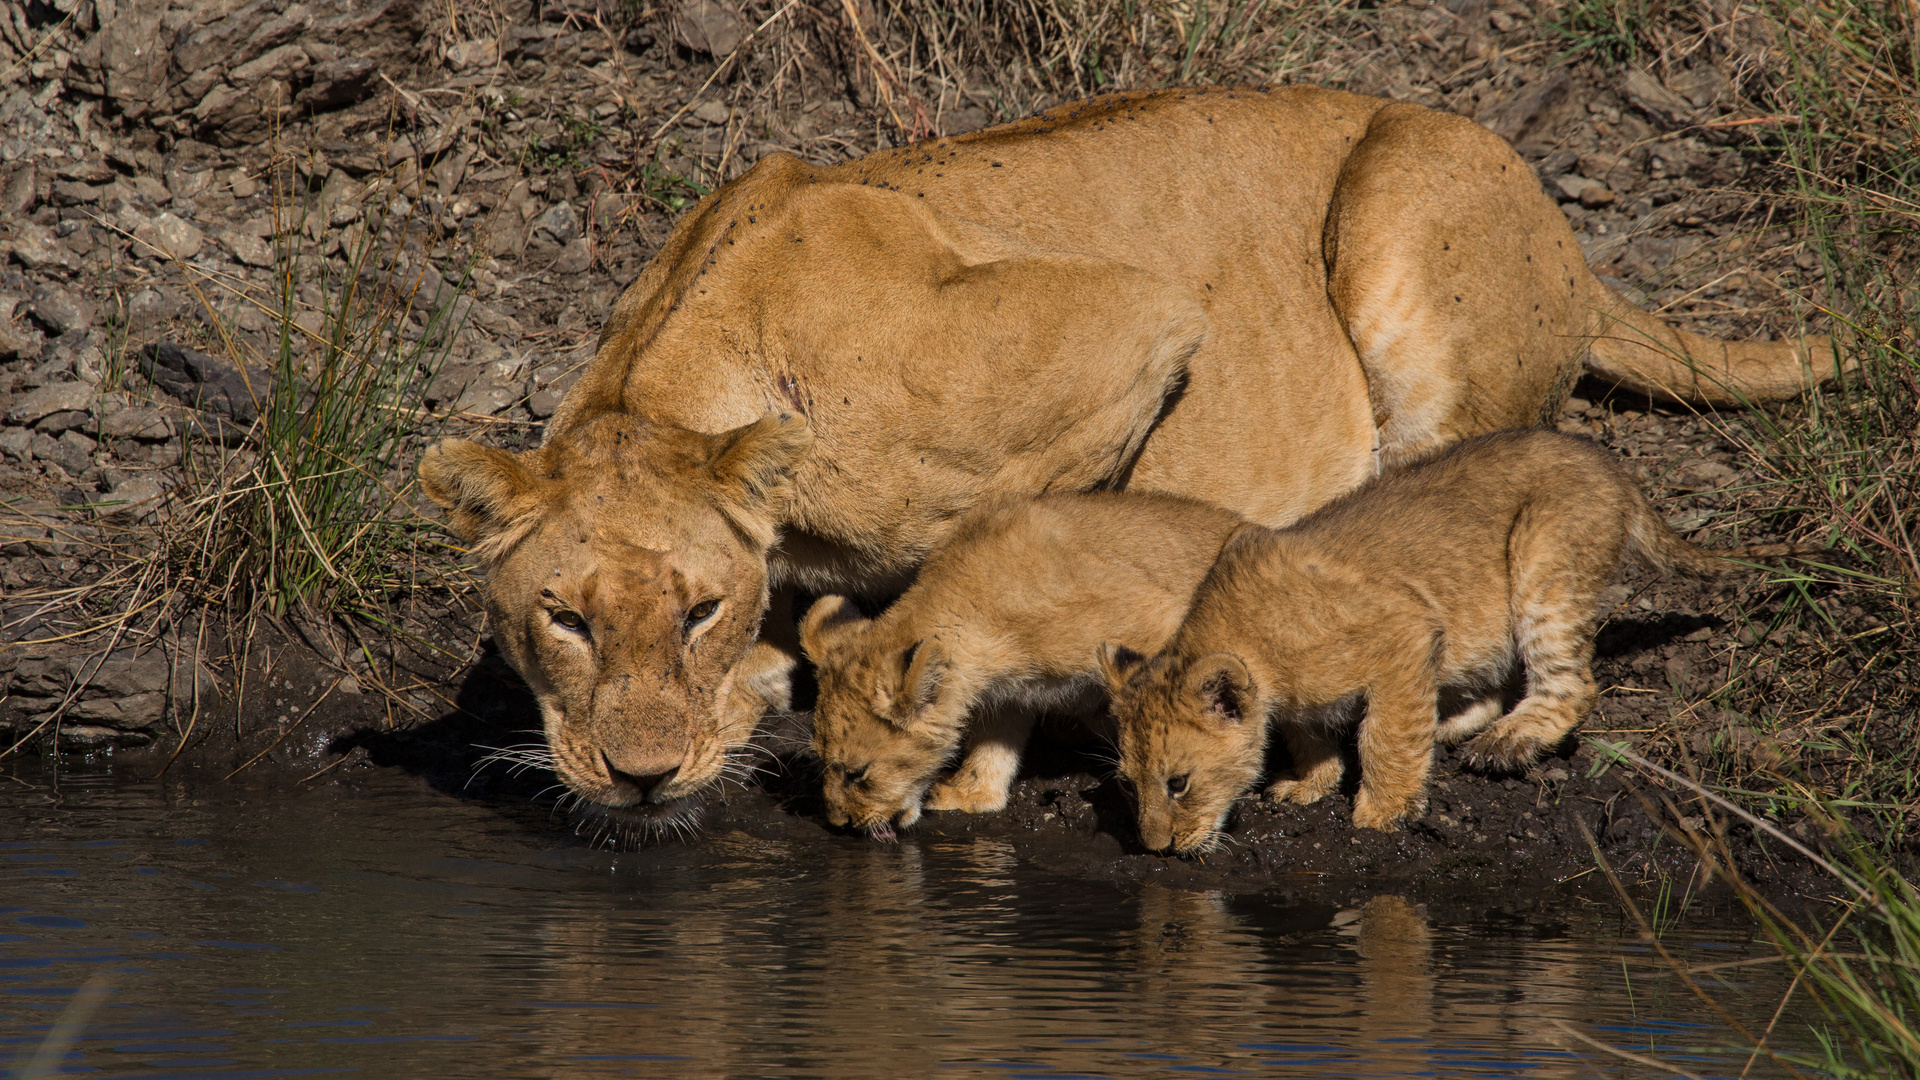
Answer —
480 53
339 83
1510 119
450 383
1699 84
559 222
20 193
135 713
1647 95
1588 192
20 342
38 249
486 398
708 26
129 57
134 497
138 422
575 258
35 405
60 310
493 321
70 458
17 443
1704 476
168 236
284 62
56 423
712 112
206 382
250 250
73 193
149 308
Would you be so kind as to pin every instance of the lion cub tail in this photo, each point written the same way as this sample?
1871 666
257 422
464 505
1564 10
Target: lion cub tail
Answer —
1666 552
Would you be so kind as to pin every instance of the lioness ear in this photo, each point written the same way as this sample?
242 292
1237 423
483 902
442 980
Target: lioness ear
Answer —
754 465
484 490
1223 686
1117 663
830 621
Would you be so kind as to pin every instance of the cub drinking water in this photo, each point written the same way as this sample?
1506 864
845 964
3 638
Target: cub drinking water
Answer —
1445 574
1004 619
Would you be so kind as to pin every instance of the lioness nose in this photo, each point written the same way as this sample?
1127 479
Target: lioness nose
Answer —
637 785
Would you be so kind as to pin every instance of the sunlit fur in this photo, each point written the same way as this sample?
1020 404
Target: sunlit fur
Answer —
1001 625
1450 573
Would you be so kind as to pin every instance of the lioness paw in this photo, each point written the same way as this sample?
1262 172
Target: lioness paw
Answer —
1503 751
1371 812
964 795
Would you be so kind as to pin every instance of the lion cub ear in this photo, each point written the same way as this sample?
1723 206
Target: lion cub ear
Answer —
753 466
830 622
483 490
1118 663
1221 684
925 675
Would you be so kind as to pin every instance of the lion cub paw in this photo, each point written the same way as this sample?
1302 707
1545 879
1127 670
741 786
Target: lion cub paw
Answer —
1502 751
966 795
1370 812
1305 792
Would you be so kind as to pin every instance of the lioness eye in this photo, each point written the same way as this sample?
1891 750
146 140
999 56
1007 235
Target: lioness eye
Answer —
570 620
699 612
1176 784
857 776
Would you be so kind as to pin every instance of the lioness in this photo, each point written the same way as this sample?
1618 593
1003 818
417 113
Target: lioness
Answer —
1248 297
1448 573
1003 621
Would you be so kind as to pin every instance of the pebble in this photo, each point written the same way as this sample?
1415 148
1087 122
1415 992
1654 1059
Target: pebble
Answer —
49 399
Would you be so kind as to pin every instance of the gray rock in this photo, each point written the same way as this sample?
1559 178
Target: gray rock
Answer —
1510 119
138 422
206 382
250 250
708 26
38 249
339 83
19 194
149 308
71 459
138 712
479 53
560 222
49 399
55 423
168 236
61 311
575 258
134 497
20 342
1704 476
1647 95
17 443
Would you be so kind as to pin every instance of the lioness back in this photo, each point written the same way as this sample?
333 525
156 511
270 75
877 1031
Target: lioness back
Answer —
1004 620
1450 573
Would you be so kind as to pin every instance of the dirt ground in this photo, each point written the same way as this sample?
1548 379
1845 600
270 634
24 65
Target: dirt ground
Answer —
150 196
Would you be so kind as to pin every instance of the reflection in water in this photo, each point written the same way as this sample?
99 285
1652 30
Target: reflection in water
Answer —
385 931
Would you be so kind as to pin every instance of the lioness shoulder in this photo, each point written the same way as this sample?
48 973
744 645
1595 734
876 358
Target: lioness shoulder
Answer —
1002 621
1489 556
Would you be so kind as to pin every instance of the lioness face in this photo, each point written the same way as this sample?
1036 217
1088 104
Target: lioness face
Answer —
1187 748
880 723
626 577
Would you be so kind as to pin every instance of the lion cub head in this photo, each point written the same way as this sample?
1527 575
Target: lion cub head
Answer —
626 572
1192 739
888 716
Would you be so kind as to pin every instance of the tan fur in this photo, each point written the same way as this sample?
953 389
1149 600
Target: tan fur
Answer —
1001 623
1246 297
1450 573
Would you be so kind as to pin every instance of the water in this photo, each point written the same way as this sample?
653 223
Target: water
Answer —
386 930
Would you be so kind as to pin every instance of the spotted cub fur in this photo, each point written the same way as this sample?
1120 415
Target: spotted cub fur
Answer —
1004 620
1448 574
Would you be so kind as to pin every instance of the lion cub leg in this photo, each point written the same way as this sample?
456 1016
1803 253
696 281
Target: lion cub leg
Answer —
1317 767
1553 629
986 775
1396 748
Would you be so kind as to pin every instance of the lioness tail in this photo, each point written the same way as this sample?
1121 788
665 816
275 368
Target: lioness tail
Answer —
1666 552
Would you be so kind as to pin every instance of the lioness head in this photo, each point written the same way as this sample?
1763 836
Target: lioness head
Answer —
626 576
885 720
1191 740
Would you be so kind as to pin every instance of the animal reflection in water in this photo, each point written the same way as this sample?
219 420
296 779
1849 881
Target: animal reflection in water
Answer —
900 961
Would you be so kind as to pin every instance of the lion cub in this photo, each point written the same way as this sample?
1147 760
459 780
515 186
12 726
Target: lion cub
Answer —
1004 619
1445 574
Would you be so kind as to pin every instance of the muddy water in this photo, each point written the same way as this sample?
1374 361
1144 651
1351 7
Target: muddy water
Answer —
386 930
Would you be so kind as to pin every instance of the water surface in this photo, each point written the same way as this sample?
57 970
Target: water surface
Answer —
382 929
